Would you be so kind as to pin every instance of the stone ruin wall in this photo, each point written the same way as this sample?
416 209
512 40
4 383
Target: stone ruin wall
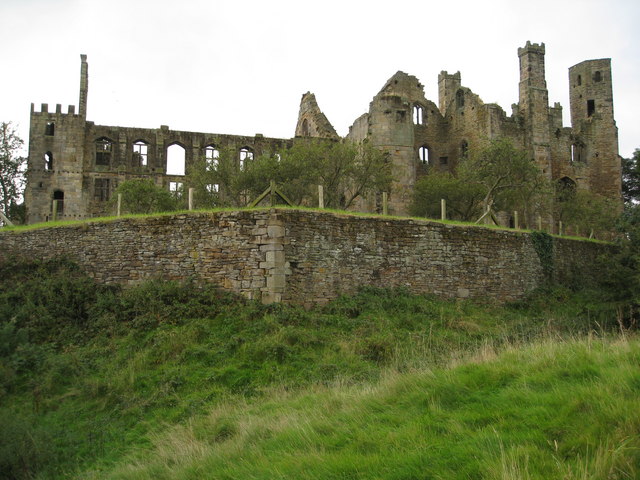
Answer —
306 257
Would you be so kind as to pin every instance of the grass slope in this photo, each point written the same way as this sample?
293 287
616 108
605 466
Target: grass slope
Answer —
553 410
90 373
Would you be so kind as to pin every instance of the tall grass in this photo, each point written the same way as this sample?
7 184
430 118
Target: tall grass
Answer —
88 373
557 409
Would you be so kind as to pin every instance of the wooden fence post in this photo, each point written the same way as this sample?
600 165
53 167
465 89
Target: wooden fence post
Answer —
516 224
190 198
55 210
119 209
320 196
443 209
385 210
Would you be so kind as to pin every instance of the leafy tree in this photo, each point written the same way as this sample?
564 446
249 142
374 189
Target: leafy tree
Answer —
587 211
505 175
347 171
144 196
631 178
463 199
11 170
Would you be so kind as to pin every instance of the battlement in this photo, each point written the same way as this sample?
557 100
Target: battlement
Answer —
44 110
444 75
531 48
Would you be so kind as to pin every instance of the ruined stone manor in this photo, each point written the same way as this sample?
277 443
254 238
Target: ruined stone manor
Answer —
79 164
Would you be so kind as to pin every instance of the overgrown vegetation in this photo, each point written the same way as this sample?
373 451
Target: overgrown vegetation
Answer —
90 375
347 171
498 177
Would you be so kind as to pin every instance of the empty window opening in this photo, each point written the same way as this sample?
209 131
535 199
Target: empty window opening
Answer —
305 128
576 153
48 161
103 151
597 77
444 160
424 154
464 149
400 116
245 155
101 191
176 188
58 200
175 160
140 150
418 114
211 156
565 189
50 129
579 80
591 107
459 99
213 188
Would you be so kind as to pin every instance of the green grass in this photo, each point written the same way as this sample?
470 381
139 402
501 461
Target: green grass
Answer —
71 223
90 374
551 410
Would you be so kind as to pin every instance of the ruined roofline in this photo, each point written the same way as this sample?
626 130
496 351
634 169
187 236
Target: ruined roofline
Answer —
593 60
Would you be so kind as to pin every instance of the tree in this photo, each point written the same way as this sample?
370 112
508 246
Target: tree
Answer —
508 179
463 199
347 171
144 196
12 167
631 178
588 212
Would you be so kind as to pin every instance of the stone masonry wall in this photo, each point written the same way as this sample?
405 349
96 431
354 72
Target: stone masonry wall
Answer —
306 257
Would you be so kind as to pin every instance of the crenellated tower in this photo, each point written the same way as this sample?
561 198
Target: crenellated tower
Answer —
55 163
534 105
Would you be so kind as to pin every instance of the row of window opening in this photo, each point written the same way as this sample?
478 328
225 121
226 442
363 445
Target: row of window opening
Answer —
175 156
597 78
424 154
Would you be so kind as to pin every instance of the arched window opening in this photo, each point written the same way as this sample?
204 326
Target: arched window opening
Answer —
305 128
245 155
591 107
579 80
565 189
175 159
103 151
211 157
424 155
597 77
418 115
576 153
50 129
140 151
176 189
58 201
464 149
459 99
48 161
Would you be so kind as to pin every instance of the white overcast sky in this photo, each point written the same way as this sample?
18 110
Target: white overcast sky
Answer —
241 66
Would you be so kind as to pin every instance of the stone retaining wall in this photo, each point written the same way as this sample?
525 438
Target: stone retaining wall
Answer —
306 257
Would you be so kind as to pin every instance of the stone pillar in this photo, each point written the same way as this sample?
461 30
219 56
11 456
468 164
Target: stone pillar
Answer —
84 86
275 265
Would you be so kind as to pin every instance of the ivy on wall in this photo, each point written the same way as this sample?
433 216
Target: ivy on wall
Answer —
543 245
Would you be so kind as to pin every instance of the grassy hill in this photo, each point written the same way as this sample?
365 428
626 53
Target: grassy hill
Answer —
166 380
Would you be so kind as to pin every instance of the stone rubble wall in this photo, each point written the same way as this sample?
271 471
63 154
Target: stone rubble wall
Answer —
306 257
